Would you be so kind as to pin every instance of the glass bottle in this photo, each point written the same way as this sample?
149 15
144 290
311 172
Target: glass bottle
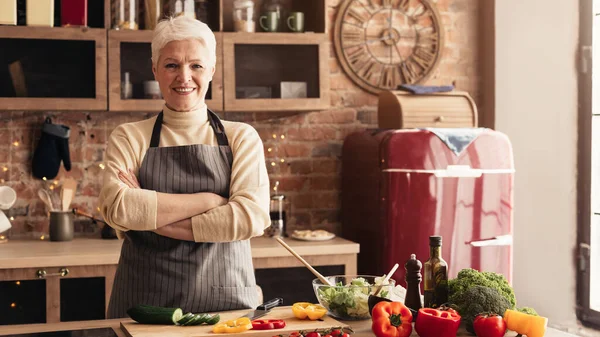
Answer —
125 14
435 283
243 16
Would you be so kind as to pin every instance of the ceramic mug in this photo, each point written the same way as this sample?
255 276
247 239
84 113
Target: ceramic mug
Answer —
270 21
295 22
61 226
4 223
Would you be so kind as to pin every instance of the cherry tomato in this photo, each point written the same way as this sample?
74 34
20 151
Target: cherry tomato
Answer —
336 333
313 334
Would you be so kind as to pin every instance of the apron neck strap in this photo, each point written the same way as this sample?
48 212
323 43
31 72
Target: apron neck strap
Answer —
213 119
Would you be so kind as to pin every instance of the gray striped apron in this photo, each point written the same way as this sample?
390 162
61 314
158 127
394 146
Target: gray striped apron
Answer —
194 276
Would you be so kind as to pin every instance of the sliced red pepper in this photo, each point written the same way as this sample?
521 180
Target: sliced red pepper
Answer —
437 323
268 324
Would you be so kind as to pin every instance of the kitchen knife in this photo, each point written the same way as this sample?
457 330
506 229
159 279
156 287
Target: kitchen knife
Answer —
264 308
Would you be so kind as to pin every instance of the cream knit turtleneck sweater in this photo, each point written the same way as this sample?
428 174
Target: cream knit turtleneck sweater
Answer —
245 215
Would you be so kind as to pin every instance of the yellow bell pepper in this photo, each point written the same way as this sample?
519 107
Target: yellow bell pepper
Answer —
524 324
233 326
303 310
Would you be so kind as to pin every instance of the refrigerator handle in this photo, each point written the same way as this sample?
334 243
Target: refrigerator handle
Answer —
457 171
502 240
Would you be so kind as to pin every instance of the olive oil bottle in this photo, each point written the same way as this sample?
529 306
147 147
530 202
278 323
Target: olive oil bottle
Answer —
435 283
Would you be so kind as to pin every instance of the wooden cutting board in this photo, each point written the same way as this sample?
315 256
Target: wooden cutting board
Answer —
133 329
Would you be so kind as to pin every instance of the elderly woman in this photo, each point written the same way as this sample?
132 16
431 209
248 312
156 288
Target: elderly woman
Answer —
185 190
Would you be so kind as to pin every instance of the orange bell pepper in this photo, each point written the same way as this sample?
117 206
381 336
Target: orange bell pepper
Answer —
302 310
524 324
391 319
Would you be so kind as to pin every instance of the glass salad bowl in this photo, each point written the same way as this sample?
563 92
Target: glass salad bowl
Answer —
349 298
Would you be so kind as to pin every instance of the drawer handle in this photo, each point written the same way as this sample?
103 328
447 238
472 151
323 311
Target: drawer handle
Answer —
41 273
439 119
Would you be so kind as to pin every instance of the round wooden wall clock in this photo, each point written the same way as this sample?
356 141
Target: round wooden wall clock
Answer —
385 43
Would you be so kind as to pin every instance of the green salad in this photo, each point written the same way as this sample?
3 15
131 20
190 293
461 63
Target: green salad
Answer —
350 300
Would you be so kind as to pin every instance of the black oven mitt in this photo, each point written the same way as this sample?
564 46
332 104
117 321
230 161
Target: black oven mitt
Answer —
52 148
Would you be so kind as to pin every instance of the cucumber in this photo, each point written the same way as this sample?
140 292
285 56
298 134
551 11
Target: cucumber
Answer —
147 314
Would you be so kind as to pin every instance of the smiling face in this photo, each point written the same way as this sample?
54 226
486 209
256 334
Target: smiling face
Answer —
184 71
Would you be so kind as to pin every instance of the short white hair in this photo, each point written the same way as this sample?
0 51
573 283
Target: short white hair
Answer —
183 28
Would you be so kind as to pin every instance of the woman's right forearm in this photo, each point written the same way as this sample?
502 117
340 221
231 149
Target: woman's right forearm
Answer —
176 207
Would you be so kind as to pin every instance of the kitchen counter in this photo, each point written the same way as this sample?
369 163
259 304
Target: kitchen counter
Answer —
266 253
361 328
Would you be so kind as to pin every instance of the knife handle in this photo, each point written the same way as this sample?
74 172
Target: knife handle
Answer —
270 304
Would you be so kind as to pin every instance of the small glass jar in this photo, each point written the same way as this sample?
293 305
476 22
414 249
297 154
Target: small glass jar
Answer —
243 16
278 211
125 14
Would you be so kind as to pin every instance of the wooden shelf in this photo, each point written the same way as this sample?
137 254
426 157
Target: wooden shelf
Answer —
96 101
284 56
268 59
117 42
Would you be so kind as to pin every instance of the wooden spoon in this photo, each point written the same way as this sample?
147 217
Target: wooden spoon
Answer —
386 278
67 193
312 270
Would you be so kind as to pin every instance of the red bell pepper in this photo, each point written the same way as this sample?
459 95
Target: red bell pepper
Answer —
391 319
268 324
437 323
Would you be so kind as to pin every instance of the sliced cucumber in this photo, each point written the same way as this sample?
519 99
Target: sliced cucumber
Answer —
147 314
197 320
214 319
186 319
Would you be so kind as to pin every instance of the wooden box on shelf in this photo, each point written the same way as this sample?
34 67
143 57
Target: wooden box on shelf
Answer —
266 61
129 51
53 68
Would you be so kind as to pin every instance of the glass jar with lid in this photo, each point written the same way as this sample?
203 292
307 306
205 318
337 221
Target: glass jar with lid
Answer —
243 16
125 14
279 211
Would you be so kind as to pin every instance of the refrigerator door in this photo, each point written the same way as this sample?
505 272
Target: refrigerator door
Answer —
426 189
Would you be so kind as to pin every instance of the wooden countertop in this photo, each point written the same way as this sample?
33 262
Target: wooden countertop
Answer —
361 328
90 251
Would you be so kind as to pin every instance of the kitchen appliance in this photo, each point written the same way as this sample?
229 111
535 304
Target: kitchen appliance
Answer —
399 186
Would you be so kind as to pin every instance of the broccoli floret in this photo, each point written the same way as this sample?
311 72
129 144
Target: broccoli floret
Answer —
468 277
477 300
528 311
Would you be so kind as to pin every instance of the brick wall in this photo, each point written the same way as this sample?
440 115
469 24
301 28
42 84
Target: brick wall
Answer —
311 149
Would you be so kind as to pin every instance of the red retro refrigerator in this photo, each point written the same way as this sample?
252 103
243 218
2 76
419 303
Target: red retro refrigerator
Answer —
401 186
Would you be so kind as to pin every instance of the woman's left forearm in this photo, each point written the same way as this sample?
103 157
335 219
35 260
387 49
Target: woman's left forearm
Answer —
180 230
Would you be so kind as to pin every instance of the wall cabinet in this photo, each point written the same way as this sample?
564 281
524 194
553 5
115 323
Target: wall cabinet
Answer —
52 68
71 68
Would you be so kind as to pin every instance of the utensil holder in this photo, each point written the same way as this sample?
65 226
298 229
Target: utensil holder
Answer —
61 226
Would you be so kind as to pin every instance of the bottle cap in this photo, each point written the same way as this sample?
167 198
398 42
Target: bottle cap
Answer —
435 241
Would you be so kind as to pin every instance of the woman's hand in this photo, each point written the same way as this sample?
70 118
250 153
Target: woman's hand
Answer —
129 179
